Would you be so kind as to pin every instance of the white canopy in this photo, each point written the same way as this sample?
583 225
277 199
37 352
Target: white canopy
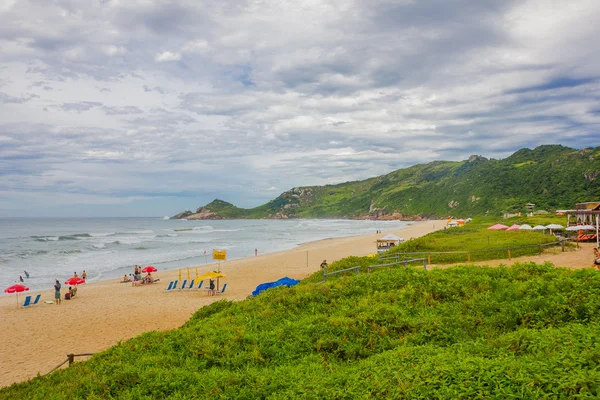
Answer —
390 238
555 226
539 228
525 227
452 223
581 228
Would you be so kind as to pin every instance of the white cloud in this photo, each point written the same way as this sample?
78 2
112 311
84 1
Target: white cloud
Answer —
288 93
112 50
167 56
195 46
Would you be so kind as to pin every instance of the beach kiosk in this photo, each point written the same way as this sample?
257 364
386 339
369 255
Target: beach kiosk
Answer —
387 242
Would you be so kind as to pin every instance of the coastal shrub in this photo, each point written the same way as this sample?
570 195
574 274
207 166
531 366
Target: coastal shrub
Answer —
526 331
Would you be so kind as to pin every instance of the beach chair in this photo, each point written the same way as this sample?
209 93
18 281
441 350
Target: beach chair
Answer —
27 301
200 285
222 290
183 284
170 286
191 285
37 299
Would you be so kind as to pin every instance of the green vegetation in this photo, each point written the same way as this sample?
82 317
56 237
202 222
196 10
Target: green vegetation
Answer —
552 177
529 331
480 243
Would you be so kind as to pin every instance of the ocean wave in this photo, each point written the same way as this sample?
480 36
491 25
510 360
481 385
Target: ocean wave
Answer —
203 228
128 241
137 232
183 229
45 238
69 251
99 246
103 234
168 235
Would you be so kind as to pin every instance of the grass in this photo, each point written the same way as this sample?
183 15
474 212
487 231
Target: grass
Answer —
482 244
528 331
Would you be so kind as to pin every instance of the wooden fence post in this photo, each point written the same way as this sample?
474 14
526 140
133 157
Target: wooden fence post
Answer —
469 257
429 258
562 242
71 358
509 254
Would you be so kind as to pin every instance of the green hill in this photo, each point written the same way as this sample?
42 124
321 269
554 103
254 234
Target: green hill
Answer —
551 176
528 331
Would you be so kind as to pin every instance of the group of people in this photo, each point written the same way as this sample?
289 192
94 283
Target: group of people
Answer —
137 279
68 296
21 276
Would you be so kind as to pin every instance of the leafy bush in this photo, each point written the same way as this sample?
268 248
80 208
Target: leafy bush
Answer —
528 331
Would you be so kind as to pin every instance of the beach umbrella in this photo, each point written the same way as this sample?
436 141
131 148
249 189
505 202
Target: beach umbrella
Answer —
74 281
539 228
525 227
554 226
149 268
515 227
498 227
16 289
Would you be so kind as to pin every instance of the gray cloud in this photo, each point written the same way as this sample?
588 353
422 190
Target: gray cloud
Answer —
263 94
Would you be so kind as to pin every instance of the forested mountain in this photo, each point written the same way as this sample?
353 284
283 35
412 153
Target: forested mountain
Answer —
551 176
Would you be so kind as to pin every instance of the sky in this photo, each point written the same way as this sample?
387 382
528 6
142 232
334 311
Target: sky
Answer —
149 108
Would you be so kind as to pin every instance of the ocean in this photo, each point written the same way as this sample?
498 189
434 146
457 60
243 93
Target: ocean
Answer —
54 248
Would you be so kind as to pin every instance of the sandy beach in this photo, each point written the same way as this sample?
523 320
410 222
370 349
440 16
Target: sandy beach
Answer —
37 339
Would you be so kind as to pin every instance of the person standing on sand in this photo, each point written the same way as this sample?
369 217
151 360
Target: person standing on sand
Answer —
324 265
83 275
57 292
255 252
75 275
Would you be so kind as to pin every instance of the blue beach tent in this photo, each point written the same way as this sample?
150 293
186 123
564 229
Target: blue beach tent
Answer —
282 282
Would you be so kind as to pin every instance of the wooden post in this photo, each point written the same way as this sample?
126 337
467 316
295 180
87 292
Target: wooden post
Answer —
562 242
429 258
71 358
509 254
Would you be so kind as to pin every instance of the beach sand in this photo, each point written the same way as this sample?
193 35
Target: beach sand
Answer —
37 339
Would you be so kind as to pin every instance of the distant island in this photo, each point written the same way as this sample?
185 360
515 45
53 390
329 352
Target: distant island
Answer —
550 176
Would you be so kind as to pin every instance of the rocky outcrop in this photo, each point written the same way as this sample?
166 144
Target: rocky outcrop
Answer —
182 215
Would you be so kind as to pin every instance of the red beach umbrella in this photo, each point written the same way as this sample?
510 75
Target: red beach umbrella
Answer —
74 281
16 289
149 268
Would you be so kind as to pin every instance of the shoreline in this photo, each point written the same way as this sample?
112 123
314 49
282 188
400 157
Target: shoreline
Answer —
37 339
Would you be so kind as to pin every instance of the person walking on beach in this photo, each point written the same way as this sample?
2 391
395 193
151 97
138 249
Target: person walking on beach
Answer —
324 265
255 252
83 275
57 292
26 274
21 279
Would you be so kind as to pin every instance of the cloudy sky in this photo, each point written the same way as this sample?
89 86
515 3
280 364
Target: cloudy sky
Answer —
147 107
